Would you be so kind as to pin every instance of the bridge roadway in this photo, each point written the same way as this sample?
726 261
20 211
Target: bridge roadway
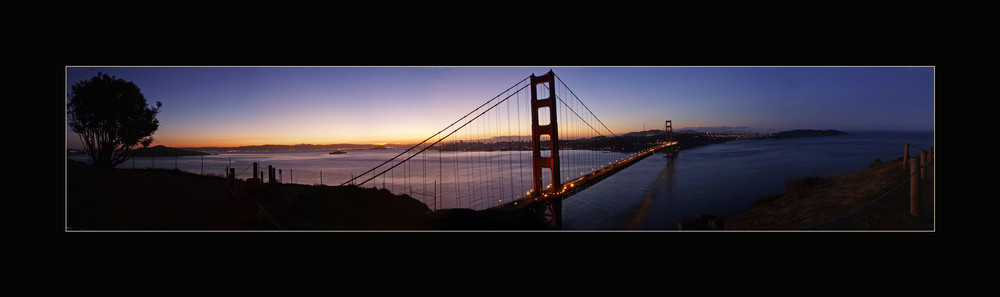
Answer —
574 186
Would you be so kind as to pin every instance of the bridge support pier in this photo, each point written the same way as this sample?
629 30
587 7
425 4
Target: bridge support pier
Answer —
552 210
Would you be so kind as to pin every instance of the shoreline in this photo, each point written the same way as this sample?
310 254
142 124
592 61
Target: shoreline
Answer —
859 201
164 199
693 138
128 199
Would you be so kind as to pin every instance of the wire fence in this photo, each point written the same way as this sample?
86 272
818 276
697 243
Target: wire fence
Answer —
218 166
909 178
250 194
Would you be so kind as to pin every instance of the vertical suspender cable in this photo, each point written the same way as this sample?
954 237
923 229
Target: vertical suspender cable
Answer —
523 139
441 131
510 149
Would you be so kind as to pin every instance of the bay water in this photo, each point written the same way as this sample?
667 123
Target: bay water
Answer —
725 179
652 194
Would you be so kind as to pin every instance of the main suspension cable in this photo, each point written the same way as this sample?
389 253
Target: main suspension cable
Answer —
436 134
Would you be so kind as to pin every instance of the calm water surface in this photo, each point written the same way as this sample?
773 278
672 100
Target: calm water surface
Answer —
653 194
724 179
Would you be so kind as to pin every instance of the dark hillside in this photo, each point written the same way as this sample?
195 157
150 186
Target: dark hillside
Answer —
159 199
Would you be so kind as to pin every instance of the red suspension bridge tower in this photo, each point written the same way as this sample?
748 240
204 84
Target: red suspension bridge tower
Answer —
671 149
592 153
551 209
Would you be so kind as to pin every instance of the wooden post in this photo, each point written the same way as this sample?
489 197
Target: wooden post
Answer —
930 162
914 189
906 156
270 174
923 165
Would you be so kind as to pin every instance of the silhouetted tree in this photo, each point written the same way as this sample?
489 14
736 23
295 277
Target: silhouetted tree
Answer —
111 117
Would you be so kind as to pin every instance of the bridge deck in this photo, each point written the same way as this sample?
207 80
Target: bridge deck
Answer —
574 186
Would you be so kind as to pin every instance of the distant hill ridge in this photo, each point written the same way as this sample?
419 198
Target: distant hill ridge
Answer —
718 129
808 133
161 150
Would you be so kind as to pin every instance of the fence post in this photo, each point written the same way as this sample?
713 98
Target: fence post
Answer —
906 156
914 189
923 165
930 160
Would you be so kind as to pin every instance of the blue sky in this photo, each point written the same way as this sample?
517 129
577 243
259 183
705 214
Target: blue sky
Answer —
230 106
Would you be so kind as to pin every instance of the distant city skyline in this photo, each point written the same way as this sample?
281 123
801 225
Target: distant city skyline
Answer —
240 106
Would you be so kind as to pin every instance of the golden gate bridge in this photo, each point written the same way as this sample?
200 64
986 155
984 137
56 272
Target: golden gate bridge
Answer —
531 146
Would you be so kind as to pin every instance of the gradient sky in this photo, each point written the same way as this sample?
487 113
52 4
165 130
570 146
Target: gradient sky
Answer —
233 106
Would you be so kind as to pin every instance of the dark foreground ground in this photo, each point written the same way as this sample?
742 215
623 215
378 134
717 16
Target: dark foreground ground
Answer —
157 199
837 203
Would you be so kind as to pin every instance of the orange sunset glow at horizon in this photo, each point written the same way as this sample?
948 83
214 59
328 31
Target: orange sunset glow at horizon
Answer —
249 106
